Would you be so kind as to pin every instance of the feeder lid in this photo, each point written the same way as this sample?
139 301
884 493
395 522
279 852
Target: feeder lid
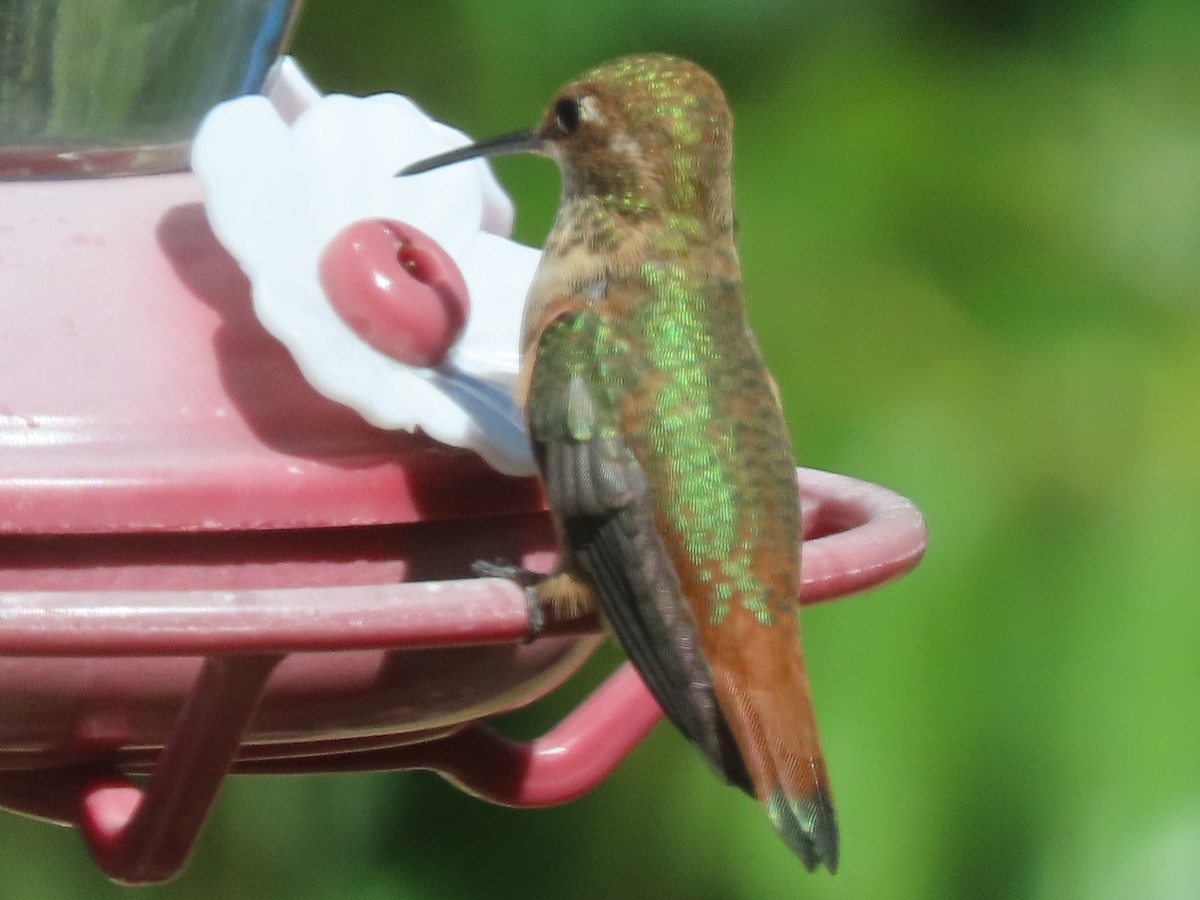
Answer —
141 393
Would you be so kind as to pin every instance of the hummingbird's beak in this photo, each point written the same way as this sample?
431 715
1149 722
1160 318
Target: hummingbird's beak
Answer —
517 142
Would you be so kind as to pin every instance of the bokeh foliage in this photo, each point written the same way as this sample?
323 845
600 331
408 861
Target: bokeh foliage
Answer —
970 234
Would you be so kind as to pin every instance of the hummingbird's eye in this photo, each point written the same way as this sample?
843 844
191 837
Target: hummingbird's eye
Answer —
566 115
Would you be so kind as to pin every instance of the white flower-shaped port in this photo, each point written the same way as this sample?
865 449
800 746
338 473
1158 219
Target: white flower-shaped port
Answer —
286 173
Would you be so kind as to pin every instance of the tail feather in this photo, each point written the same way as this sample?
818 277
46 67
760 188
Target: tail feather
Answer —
776 733
808 825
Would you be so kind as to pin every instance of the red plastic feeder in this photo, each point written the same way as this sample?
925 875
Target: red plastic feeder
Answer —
206 567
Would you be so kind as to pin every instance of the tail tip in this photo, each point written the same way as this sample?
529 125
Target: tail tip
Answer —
808 825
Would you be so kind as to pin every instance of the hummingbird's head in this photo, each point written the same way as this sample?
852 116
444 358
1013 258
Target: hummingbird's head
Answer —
639 134
649 131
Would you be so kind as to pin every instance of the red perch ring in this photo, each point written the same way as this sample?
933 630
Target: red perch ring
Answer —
226 652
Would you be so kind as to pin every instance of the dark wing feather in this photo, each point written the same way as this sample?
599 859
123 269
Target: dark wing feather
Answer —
600 494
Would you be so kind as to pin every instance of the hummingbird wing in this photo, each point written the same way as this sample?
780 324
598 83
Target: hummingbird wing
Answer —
600 495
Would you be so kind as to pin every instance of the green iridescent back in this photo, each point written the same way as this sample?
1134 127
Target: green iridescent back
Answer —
699 415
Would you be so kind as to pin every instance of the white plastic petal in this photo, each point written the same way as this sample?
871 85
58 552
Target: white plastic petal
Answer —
288 90
257 198
276 195
352 149
493 268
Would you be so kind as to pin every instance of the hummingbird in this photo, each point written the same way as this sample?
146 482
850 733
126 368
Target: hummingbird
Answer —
658 430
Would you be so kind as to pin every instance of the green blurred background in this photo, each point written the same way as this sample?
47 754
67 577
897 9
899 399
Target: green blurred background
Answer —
969 235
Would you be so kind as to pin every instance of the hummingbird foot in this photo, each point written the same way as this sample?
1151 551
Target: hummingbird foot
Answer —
556 599
566 597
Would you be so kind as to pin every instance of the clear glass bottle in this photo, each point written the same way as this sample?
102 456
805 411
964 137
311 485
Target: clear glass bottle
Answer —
115 87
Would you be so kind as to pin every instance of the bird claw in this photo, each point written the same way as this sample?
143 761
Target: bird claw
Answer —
528 580
499 568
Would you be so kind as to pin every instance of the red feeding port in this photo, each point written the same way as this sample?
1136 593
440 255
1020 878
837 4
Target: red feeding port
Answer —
397 289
